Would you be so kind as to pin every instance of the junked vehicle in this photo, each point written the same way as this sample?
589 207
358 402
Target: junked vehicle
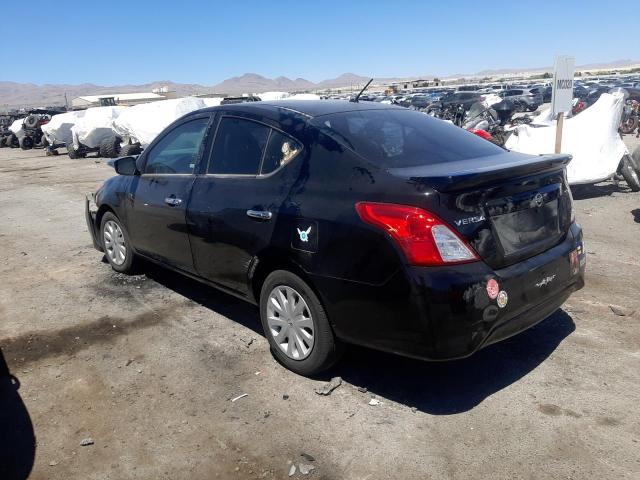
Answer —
591 137
93 133
530 99
6 135
349 222
27 131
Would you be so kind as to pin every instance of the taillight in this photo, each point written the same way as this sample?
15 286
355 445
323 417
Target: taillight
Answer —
481 133
423 237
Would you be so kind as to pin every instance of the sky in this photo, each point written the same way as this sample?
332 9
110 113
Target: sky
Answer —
138 41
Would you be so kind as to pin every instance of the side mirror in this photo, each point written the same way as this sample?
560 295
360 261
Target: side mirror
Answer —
125 166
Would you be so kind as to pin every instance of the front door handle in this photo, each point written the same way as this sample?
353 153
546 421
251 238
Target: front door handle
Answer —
260 214
173 201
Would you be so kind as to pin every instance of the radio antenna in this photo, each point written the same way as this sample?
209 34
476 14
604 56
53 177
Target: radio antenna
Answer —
355 99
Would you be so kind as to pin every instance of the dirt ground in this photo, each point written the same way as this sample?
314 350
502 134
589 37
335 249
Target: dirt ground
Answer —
146 365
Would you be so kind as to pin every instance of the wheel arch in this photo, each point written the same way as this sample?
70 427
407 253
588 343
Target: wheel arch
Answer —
104 208
269 261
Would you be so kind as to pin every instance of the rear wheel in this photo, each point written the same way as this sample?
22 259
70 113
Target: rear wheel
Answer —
296 325
116 244
630 175
3 141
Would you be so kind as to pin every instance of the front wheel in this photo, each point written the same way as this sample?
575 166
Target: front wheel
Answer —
296 325
116 244
629 124
630 175
26 143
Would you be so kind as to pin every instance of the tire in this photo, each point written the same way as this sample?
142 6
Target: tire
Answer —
26 143
132 149
629 125
128 261
11 140
110 148
43 141
73 153
630 175
3 141
532 108
323 351
31 121
634 158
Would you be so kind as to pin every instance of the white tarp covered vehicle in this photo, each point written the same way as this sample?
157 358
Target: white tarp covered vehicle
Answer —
142 123
266 96
58 130
16 126
95 126
304 96
591 138
212 101
492 99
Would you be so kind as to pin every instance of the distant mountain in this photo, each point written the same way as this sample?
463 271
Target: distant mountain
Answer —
589 66
14 94
344 80
254 83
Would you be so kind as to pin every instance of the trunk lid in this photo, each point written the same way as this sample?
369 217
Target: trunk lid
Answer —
509 207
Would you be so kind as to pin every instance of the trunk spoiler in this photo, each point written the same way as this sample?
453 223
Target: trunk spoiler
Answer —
452 176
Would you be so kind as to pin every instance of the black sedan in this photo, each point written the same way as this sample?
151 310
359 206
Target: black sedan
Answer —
349 223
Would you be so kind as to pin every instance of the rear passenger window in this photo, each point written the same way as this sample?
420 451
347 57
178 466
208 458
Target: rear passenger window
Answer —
396 138
280 151
238 147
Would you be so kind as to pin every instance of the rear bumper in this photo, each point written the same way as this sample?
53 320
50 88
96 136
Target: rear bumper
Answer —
90 214
442 313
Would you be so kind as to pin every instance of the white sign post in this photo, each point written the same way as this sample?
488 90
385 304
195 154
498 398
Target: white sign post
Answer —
562 92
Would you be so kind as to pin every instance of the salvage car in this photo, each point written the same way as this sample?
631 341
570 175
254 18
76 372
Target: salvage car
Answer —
465 99
531 99
349 222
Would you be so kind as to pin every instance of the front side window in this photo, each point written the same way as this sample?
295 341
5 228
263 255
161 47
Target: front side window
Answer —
178 151
238 147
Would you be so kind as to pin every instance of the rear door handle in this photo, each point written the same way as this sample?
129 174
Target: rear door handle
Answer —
173 201
260 214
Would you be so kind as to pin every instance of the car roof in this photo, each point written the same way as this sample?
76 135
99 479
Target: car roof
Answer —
307 108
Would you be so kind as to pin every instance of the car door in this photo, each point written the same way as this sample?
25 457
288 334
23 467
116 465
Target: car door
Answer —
159 196
235 204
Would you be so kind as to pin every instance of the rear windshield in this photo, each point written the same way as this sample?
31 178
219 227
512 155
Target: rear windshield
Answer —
398 138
